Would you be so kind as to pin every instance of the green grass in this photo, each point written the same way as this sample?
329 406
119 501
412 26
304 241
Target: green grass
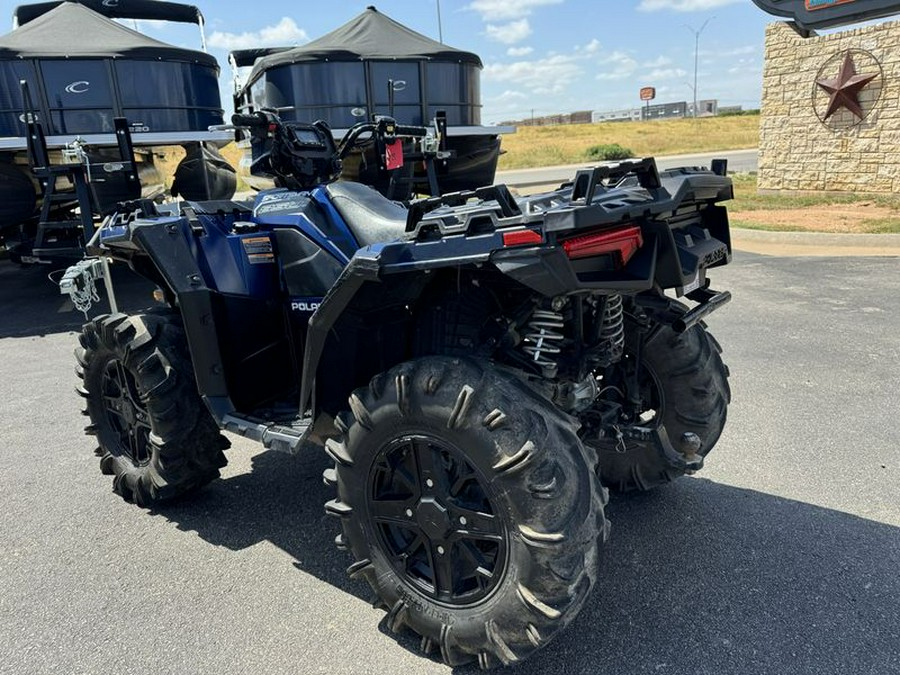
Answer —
867 226
607 152
747 200
747 197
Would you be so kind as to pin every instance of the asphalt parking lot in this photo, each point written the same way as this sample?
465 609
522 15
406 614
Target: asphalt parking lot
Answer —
782 556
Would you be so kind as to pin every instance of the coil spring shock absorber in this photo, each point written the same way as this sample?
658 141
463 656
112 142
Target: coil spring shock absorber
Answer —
611 335
542 340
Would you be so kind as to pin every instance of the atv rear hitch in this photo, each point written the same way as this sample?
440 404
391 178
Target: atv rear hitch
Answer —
709 300
686 457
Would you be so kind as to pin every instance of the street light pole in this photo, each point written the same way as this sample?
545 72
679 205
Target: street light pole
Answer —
440 27
697 55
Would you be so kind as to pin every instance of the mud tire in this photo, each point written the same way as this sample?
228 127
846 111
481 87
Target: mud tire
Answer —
540 482
181 446
692 382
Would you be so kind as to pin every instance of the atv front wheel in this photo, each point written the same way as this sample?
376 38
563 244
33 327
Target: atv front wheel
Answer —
469 505
156 436
684 386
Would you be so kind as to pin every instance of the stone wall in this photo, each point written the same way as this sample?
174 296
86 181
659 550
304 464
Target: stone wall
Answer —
801 147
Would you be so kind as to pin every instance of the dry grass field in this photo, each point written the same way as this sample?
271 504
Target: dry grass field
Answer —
568 144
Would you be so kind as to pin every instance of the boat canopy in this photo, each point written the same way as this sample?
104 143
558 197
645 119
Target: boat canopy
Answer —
370 65
79 86
58 34
370 36
145 10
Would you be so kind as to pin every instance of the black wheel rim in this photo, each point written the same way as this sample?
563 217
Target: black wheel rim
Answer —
126 413
435 520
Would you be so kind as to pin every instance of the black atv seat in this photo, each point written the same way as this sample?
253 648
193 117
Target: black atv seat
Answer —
371 217
213 207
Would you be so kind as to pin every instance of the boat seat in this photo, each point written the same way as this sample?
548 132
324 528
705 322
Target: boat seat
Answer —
371 217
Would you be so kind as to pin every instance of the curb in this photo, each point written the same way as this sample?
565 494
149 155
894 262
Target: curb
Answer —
814 243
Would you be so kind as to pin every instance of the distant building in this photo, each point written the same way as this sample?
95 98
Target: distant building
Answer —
581 117
707 108
665 111
629 115
661 111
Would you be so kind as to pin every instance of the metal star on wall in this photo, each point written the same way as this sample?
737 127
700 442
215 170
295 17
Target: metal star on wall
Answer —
844 90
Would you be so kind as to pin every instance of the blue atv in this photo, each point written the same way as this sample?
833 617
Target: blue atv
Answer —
481 369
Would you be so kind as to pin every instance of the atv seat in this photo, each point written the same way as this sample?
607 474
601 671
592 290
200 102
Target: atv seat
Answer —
371 217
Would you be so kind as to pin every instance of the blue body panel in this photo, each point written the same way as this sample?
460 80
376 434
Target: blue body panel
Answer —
238 264
247 263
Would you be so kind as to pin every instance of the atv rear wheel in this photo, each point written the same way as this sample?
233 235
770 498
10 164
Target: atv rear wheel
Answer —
156 437
469 505
684 385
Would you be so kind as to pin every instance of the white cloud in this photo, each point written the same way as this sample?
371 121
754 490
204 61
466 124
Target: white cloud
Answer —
509 33
508 96
593 46
617 66
684 5
718 54
745 66
551 75
283 34
519 51
506 10
665 73
658 62
740 51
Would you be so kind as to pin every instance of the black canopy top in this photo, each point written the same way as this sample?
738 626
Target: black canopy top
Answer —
58 33
812 14
371 35
247 57
147 10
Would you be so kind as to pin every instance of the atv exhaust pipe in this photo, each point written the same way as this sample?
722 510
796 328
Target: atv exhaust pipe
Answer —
710 301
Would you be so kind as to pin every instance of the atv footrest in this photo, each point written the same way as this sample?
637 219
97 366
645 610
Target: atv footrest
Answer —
272 435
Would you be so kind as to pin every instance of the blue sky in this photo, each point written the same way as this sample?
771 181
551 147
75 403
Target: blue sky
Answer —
548 56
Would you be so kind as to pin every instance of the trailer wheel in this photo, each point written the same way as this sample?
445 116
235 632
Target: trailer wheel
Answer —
685 383
469 505
156 437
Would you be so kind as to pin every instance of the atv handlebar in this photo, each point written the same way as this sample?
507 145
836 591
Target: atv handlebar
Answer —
385 129
303 155
412 132
251 121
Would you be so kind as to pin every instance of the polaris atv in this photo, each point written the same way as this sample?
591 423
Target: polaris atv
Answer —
480 368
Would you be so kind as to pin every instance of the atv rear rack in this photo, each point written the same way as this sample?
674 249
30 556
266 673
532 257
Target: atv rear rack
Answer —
609 194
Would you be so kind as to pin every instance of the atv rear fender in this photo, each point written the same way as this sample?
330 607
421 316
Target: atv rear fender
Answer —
684 231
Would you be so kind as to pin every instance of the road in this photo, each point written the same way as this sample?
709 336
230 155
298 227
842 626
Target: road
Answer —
738 160
780 557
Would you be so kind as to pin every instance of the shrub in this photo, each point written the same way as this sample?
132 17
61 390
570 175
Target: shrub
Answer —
608 152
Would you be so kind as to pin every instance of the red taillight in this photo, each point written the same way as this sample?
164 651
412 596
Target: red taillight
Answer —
521 237
624 241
